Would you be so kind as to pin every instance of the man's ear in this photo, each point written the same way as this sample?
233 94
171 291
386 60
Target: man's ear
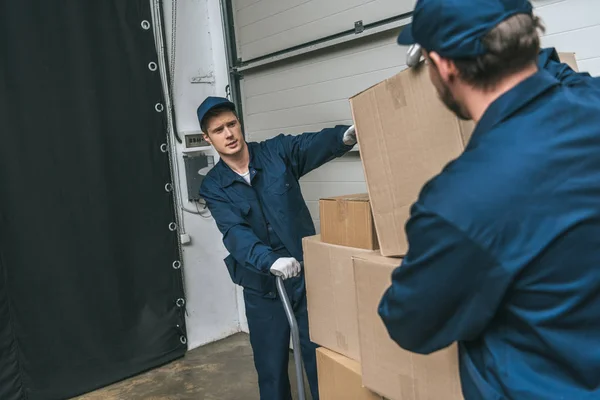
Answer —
206 137
446 68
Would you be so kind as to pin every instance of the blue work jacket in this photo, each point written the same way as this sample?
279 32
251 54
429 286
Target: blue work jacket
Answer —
268 219
504 247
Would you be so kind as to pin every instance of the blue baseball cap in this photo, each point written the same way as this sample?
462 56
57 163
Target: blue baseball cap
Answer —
455 28
210 103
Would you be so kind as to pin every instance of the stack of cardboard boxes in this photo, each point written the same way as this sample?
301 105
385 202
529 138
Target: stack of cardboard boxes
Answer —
406 136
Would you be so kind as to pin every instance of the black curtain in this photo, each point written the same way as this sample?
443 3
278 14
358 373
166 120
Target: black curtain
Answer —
88 291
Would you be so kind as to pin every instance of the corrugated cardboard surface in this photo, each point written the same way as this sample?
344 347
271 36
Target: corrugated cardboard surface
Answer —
388 369
340 379
406 136
348 221
331 295
570 60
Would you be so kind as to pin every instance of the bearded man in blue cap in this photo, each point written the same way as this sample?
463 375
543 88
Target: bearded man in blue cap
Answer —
504 244
254 196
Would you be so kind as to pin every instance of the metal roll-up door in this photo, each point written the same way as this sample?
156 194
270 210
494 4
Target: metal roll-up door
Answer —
268 26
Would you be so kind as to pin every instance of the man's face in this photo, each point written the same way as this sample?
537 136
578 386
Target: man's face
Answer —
444 92
224 132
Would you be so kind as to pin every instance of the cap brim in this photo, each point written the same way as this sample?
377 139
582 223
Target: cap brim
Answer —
405 37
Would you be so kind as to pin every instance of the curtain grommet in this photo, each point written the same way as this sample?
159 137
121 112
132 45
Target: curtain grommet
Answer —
176 264
159 107
168 188
183 339
145 25
152 66
164 148
180 302
172 226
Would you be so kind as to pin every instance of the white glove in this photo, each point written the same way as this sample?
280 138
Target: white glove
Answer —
350 136
286 268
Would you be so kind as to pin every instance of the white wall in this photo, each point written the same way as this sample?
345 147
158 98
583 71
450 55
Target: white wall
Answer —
212 299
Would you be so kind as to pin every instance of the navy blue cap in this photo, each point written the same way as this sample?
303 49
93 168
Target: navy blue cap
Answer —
210 103
455 28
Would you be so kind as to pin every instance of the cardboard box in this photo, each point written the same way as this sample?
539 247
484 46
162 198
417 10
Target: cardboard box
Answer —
406 137
387 369
570 60
331 296
348 221
340 379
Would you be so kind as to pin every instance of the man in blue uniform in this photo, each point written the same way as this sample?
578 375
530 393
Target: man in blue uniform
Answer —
504 244
255 199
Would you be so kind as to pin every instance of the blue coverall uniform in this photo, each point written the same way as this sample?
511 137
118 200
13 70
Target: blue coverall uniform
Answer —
260 223
504 247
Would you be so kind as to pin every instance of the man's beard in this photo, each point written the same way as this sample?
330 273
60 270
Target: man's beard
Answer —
451 103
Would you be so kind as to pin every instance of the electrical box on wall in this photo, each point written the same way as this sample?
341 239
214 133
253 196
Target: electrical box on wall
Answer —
194 141
197 166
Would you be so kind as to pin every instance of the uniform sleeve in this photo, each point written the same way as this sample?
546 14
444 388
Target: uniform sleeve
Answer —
238 237
310 150
446 290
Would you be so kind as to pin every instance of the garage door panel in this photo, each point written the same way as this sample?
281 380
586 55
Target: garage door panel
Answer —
315 113
564 16
591 65
348 170
265 9
270 25
316 190
335 67
241 4
323 92
577 41
387 57
300 15
259 135
314 94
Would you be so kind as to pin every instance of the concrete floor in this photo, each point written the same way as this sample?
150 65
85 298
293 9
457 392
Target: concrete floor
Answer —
219 371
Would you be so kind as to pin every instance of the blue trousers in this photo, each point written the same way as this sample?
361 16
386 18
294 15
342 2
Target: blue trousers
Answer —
270 340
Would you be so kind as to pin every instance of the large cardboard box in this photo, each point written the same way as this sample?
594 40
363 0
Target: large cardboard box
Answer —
348 221
331 295
406 136
340 379
387 369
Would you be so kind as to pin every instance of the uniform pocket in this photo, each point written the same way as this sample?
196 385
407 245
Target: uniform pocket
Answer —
243 206
259 283
257 307
281 185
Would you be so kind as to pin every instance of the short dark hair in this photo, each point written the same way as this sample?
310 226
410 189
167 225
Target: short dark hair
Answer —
512 45
215 112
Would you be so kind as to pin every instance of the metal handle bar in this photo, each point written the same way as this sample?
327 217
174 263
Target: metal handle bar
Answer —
289 312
